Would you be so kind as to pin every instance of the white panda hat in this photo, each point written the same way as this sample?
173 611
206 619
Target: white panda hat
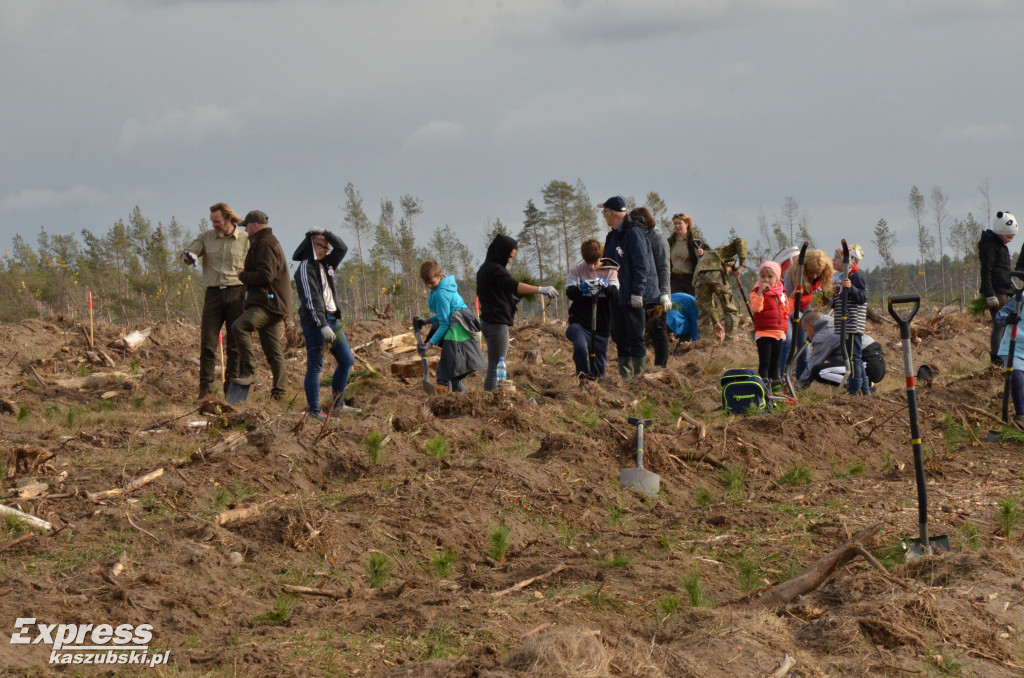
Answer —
1004 224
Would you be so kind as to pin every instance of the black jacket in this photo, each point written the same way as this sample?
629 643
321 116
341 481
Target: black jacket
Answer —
628 247
995 266
308 280
266 275
495 286
693 243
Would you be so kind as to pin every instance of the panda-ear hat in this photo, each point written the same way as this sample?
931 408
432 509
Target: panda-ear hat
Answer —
1004 224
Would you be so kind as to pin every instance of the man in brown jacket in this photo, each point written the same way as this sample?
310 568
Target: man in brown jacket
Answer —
267 302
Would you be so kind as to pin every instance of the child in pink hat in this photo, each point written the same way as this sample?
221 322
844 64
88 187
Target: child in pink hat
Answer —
771 308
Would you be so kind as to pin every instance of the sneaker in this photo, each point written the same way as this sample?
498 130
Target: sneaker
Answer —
346 409
319 416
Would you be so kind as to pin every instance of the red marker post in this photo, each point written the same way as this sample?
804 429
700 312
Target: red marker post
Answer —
92 336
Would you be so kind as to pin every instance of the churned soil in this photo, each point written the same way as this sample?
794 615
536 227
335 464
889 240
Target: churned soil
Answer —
415 520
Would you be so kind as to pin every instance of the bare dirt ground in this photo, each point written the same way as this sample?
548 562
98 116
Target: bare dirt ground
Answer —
398 514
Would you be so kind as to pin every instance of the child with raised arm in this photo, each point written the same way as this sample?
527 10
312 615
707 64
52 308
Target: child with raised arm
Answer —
592 282
455 330
771 308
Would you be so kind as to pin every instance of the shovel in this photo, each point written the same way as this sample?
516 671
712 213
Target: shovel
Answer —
798 291
922 546
428 387
844 307
640 478
237 393
1017 278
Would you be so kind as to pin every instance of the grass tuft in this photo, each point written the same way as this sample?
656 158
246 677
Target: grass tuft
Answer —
438 447
378 570
695 590
280 612
1009 516
498 542
796 475
373 443
442 562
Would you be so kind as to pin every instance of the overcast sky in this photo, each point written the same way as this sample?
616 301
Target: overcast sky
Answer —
724 107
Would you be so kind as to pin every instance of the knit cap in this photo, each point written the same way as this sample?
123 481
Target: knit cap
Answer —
773 266
857 253
1004 224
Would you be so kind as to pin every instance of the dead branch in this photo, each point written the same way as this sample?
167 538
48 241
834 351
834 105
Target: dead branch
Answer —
307 591
526 582
235 515
15 542
37 523
818 572
978 410
787 664
700 459
127 489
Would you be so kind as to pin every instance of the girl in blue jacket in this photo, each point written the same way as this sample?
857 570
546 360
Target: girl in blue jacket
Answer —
456 330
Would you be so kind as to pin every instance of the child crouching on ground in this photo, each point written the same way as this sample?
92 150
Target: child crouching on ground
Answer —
771 308
591 286
455 329
1007 316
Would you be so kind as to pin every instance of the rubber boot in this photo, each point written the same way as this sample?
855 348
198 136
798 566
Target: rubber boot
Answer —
625 368
639 365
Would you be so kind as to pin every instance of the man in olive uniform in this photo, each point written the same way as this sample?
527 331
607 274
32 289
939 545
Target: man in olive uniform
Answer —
715 303
222 250
268 296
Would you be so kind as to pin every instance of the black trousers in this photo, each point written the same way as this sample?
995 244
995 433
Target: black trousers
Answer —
627 330
768 352
220 306
657 331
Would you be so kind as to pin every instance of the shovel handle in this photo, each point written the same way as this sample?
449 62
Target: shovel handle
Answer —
904 323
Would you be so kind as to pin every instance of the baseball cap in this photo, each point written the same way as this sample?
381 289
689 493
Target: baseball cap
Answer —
255 217
615 204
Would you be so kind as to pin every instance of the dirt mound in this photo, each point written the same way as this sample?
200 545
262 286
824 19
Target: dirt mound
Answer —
486 533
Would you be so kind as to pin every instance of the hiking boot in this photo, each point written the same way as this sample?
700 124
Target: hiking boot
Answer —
319 416
1019 420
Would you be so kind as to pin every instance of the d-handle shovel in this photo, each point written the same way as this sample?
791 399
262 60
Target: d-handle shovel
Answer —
922 546
428 387
640 478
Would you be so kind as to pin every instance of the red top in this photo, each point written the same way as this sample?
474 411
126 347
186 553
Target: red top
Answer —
771 311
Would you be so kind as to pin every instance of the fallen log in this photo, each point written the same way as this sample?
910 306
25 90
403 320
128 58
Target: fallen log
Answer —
127 489
818 572
32 521
131 342
236 515
307 591
95 382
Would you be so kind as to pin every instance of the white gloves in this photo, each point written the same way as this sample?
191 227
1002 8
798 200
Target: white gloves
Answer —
189 258
636 301
666 302
992 302
328 333
550 292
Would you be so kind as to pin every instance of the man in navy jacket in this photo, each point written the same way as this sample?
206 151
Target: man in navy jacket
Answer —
628 246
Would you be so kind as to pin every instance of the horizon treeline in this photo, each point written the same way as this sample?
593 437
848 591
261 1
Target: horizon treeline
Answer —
135 274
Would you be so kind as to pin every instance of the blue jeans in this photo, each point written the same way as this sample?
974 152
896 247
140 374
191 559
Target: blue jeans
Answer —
315 345
585 366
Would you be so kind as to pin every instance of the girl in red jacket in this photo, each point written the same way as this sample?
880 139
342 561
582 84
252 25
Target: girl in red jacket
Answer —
771 309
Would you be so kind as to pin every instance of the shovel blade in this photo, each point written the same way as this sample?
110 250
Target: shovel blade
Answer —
236 394
428 388
993 437
640 479
917 549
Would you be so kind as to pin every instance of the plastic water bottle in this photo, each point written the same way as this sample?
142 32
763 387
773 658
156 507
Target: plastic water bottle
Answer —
502 370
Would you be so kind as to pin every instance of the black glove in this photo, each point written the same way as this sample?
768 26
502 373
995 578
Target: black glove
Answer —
1012 319
418 323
